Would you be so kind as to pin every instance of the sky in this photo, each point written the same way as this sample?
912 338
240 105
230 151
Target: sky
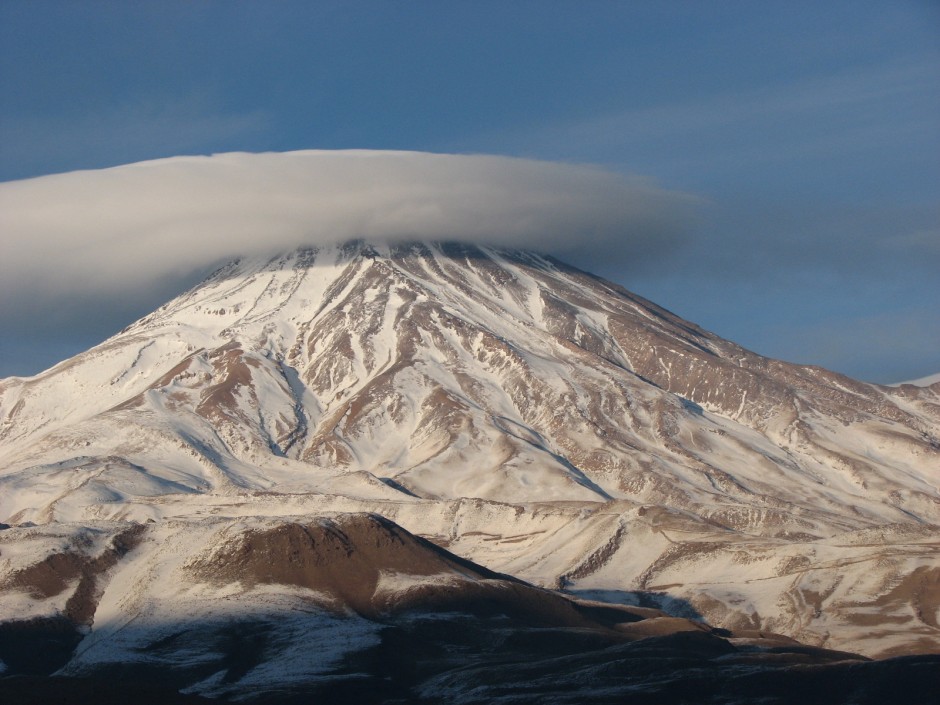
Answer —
787 154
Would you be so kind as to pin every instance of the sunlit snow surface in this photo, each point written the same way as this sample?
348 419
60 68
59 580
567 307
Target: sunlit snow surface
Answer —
927 381
530 417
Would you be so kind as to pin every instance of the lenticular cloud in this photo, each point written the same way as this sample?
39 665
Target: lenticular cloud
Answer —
107 230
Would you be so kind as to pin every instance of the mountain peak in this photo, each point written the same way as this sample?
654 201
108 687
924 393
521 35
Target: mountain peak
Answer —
457 385
445 370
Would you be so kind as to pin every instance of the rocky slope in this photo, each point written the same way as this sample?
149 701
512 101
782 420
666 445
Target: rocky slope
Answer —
351 607
528 416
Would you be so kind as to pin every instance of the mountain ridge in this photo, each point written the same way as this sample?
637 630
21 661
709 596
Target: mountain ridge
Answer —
243 336
528 416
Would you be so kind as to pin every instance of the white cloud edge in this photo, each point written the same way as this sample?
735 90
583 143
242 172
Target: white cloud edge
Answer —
108 230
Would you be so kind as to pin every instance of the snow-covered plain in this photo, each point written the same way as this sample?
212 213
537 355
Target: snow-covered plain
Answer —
525 415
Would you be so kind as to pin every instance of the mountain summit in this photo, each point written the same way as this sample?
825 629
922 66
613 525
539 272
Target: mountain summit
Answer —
442 371
526 415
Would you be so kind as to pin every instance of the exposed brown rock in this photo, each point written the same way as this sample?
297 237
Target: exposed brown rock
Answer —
55 573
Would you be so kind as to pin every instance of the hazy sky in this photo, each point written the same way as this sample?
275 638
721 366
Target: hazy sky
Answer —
807 134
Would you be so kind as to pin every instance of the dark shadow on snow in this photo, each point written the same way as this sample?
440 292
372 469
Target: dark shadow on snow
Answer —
673 606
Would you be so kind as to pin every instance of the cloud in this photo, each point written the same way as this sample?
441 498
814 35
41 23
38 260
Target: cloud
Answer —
85 253
127 228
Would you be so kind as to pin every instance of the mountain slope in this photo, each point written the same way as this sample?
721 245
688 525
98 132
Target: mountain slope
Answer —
352 608
457 372
537 419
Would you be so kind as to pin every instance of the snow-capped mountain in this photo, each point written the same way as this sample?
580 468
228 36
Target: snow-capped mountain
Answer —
446 372
531 417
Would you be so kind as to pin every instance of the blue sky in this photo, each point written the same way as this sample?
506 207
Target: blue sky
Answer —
810 130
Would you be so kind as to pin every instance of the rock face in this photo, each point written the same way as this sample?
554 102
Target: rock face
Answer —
525 415
353 608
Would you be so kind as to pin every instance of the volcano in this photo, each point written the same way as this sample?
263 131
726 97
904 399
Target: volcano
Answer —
622 474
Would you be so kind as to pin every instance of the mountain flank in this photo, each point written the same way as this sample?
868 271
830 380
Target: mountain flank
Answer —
337 440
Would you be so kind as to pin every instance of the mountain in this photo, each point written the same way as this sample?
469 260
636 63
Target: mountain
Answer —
927 381
353 608
524 415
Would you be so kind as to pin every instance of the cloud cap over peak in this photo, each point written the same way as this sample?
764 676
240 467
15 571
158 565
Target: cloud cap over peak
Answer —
104 231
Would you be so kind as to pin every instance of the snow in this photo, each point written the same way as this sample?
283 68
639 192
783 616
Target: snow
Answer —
525 435
921 382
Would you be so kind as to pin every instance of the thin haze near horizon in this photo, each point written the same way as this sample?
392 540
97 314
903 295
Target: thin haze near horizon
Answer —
807 133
